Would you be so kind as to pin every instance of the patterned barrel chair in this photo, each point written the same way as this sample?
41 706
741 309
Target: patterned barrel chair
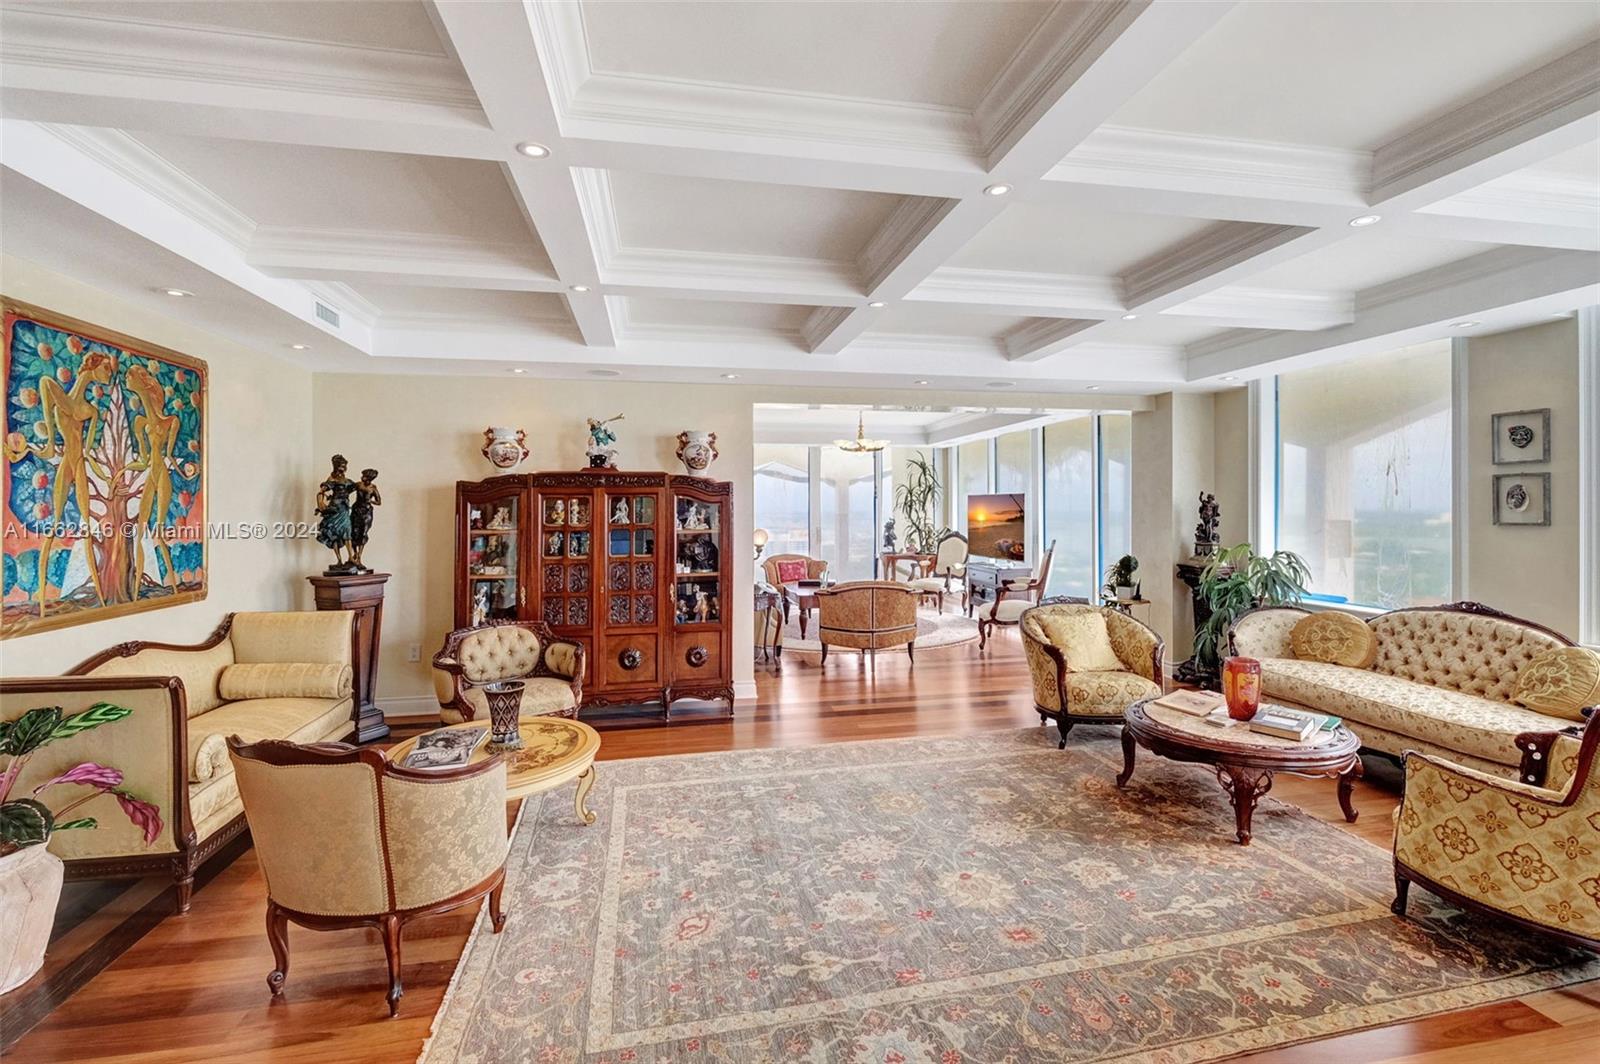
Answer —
551 668
869 616
1085 671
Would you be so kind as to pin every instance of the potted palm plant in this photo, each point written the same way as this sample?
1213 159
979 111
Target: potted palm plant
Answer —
915 497
30 875
1120 582
1235 580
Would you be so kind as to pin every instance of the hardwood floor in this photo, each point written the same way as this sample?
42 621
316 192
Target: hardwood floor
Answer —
195 988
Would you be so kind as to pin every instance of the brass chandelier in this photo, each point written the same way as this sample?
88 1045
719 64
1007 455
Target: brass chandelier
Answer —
861 445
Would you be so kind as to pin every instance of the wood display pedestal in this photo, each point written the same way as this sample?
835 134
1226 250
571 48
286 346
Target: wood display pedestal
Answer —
362 595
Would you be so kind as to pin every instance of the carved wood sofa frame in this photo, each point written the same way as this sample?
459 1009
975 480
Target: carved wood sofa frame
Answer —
1535 746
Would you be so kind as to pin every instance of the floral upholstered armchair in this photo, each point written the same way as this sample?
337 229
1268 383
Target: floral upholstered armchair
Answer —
1524 853
788 568
551 668
1088 663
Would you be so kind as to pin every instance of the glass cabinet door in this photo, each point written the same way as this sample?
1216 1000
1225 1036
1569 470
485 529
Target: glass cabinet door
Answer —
566 558
697 561
494 559
630 559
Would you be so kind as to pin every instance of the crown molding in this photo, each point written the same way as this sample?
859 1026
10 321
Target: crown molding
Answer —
134 162
400 258
599 210
679 333
1546 99
1157 159
901 234
1450 275
1043 337
557 323
747 278
1204 258
1025 291
1258 308
345 299
1539 199
61 43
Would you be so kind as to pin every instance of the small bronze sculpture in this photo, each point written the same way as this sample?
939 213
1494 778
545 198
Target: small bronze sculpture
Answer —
1206 535
333 512
366 497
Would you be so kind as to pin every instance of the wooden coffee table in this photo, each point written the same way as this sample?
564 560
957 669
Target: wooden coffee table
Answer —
801 598
1243 760
554 751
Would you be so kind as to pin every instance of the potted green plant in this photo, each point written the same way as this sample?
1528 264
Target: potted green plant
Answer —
30 875
1234 581
915 497
1120 582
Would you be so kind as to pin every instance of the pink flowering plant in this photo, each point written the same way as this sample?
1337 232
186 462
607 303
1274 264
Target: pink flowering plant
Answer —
27 821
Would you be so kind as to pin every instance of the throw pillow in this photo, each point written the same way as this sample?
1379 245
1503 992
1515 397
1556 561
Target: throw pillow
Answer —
1336 638
1083 640
789 572
1560 682
284 680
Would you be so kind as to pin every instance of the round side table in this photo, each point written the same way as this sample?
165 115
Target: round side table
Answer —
554 751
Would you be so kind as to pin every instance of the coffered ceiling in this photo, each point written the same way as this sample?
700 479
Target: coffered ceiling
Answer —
734 187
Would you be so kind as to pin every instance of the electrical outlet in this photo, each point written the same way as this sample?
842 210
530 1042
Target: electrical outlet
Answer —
414 652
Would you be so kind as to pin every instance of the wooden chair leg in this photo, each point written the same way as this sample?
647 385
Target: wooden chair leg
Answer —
1064 726
278 938
824 653
1402 887
911 652
391 950
983 633
497 916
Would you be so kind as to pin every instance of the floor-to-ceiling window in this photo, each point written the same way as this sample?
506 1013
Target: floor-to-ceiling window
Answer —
848 514
972 475
1116 488
783 497
1363 477
1013 461
1069 506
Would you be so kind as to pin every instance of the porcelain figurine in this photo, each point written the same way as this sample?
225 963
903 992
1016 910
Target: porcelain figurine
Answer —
601 450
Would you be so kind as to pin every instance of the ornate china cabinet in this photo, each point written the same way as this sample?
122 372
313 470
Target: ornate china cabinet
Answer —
631 564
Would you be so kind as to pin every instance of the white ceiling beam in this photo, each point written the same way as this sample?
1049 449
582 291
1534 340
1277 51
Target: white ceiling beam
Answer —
1417 308
362 256
1086 61
496 46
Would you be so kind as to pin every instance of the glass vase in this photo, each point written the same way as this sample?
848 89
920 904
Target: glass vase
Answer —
505 705
1241 687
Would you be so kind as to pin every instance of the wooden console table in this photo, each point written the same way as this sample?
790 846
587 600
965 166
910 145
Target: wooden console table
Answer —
989 575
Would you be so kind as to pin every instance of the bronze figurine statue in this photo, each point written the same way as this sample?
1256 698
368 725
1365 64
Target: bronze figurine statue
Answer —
366 497
344 516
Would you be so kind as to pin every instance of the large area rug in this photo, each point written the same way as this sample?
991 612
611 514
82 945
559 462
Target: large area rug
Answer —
934 630
984 898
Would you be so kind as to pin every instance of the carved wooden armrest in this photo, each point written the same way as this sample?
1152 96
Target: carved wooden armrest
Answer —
1536 746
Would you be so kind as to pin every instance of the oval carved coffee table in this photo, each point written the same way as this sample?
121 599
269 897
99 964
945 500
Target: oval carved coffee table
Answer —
554 751
1243 760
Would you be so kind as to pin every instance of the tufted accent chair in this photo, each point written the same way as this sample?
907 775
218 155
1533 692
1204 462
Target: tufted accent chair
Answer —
347 838
550 666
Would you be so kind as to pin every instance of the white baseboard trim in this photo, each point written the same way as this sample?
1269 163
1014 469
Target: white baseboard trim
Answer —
401 708
744 690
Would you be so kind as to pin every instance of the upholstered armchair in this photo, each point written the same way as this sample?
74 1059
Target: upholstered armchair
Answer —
868 615
551 668
778 565
346 838
1523 853
1014 599
949 563
1088 663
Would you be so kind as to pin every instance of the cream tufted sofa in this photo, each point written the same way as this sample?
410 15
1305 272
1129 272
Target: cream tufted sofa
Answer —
259 676
1442 684
550 667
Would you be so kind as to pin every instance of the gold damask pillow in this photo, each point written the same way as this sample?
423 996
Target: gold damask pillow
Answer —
1336 638
1083 640
1560 682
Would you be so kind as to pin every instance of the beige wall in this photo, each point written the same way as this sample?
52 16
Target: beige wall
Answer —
260 468
1173 457
1530 572
423 433
1231 464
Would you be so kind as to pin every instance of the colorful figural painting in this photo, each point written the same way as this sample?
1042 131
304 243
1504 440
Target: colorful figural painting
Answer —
104 473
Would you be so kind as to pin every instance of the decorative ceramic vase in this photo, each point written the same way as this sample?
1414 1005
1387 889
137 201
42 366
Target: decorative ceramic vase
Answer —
504 447
30 886
505 704
1241 687
697 450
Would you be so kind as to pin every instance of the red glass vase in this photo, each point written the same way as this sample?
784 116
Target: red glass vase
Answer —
1241 687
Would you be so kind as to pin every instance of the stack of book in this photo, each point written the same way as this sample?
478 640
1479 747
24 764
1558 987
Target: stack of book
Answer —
1286 723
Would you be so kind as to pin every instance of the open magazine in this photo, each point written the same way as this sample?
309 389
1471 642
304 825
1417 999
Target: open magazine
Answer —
445 748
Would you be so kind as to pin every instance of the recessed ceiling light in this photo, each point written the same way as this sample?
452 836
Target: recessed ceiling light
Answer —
921 382
1465 324
579 287
997 190
178 293
301 347
1366 220
605 373
533 149
519 369
1001 384
1129 317
1091 388
730 376
1228 377
877 304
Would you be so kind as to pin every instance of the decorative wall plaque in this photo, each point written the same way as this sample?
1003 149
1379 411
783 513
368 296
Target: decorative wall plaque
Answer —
1522 499
1522 436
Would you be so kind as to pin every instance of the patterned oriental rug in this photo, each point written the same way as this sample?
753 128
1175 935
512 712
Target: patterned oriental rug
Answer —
984 898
